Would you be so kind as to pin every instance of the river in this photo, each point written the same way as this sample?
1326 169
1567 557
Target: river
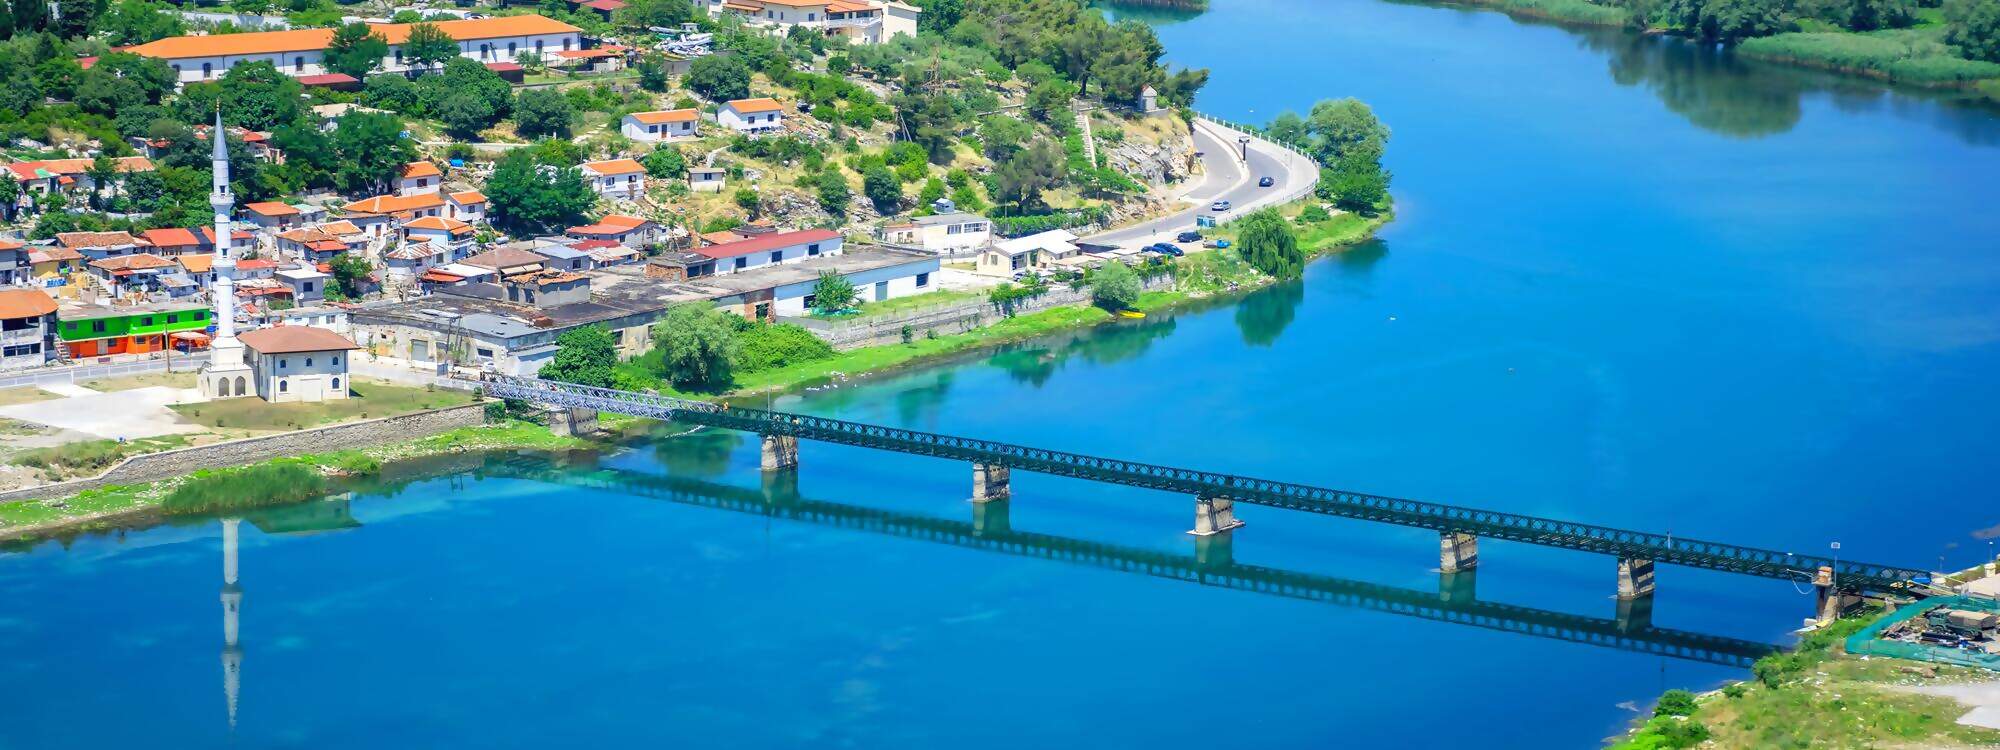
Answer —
1631 282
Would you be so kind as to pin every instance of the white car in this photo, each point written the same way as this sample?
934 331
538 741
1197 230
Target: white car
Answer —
1219 206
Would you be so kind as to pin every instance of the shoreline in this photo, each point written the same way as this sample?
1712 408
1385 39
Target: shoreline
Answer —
113 507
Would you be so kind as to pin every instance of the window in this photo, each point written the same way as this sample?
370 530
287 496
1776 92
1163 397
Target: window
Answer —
336 384
309 361
22 350
923 280
97 326
284 385
812 249
653 129
173 318
538 46
399 56
566 41
207 69
298 63
17 324
283 362
199 315
486 52
742 262
510 48
146 321
812 16
777 256
336 360
484 353
309 286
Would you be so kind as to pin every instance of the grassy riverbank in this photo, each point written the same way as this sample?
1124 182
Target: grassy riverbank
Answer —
1816 696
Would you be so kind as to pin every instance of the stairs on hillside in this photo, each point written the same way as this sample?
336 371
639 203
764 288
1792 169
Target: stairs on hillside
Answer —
1089 142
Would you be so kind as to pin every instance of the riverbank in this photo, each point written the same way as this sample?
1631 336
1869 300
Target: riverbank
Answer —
1819 696
1914 56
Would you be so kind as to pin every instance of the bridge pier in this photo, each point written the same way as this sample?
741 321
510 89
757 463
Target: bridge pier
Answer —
780 452
1829 600
991 482
572 422
1457 551
991 518
1635 613
1635 578
1214 515
1214 550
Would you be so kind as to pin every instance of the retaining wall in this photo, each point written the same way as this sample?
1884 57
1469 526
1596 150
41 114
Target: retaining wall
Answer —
156 466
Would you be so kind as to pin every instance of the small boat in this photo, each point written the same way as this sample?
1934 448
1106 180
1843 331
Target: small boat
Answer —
1131 314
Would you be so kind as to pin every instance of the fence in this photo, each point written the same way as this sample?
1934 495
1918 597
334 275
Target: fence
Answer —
1870 641
75 373
1300 162
945 319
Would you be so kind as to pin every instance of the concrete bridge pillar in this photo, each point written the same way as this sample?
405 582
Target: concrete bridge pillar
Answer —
1459 586
990 482
781 486
1457 551
1635 613
780 452
1635 578
1214 515
572 422
1829 600
990 518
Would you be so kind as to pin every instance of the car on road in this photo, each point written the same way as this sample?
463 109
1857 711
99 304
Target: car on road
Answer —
1219 244
1266 182
1164 248
1219 206
1188 236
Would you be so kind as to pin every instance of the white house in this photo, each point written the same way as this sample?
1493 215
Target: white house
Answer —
751 115
616 178
419 177
1027 253
941 233
743 255
300 52
707 179
297 363
449 238
378 215
663 125
860 21
468 206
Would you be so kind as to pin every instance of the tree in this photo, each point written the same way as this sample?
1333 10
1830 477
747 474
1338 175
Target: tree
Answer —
106 94
652 72
883 189
129 22
719 78
696 343
665 162
939 15
29 16
1000 135
528 195
640 14
393 92
355 50
1114 287
1974 26
1050 97
585 355
833 192
1021 179
370 152
349 272
1356 183
429 46
1675 703
1267 242
1335 126
542 112
465 113
103 173
833 293
251 95
73 17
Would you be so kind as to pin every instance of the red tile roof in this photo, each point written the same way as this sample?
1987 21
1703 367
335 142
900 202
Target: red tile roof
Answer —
294 339
767 242
328 79
169 237
25 303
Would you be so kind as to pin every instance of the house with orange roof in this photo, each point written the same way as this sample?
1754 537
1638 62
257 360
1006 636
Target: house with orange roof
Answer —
860 21
61 175
97 245
301 52
468 206
170 242
450 239
661 125
760 115
630 231
143 273
27 328
379 215
419 177
272 216
321 243
616 178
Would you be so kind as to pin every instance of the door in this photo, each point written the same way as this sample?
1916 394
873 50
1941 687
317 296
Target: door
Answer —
881 290
310 388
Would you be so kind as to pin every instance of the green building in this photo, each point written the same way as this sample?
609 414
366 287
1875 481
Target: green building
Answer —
96 331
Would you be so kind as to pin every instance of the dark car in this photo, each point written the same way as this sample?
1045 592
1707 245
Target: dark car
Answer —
1165 249
1188 237
1266 182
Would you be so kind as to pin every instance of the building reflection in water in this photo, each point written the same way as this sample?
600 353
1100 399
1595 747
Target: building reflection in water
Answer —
331 514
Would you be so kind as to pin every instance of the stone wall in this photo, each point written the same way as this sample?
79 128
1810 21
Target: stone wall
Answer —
155 466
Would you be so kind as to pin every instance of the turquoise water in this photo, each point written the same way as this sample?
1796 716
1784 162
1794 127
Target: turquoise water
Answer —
1631 283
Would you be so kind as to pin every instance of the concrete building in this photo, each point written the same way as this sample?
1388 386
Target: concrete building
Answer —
877 274
941 233
132 275
27 328
630 231
308 285
272 216
300 52
379 215
661 126
14 266
860 21
419 177
468 206
101 330
747 254
323 242
99 245
616 178
449 239
51 267
1026 253
757 115
298 363
707 179
64 175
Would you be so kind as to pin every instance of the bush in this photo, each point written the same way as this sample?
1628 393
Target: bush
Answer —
1675 703
1114 287
273 483
1016 226
1314 213
763 346
1909 55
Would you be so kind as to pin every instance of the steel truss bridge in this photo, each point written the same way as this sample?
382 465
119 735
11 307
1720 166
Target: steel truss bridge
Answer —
1621 543
1456 608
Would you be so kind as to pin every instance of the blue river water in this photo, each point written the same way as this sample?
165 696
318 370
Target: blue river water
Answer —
1631 282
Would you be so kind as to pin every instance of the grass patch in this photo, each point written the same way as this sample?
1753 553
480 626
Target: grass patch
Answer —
368 400
147 380
98 500
914 302
1570 11
88 457
1918 55
254 486
25 395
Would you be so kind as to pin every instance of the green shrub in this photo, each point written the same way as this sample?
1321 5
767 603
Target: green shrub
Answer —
274 483
1675 703
764 346
1909 55
1314 213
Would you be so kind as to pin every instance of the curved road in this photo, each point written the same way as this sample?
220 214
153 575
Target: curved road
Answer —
1226 177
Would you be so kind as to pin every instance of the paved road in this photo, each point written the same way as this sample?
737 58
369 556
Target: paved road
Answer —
1227 178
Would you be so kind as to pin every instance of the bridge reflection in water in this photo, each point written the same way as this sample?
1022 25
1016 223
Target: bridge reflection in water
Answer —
989 530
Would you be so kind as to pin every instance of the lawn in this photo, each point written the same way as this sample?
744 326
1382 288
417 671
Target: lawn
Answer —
147 380
913 302
88 457
24 395
370 399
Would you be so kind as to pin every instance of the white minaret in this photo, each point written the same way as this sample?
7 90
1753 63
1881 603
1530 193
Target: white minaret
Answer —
232 602
225 375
